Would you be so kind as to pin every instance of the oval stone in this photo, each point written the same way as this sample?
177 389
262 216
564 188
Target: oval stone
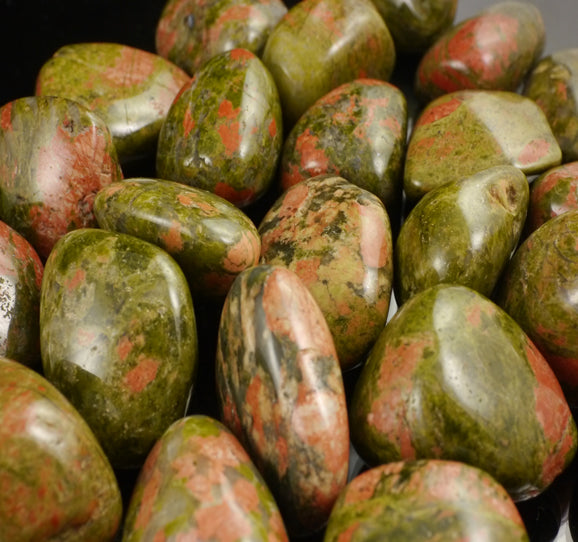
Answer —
129 88
540 291
467 131
462 233
56 482
210 238
21 273
446 380
321 44
336 237
553 85
55 155
198 483
118 337
493 50
224 132
281 392
189 32
357 131
426 500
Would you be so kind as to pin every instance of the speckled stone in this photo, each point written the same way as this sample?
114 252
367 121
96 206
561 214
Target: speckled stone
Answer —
198 483
553 85
465 132
129 88
224 133
426 500
446 380
281 392
56 482
337 238
357 131
540 291
210 238
55 155
493 50
462 233
414 24
321 44
190 32
118 338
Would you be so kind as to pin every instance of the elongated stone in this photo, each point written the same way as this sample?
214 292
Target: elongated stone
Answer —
465 132
129 88
281 392
493 50
462 233
446 379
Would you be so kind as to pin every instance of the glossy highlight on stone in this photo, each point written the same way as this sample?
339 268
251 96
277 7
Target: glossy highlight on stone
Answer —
210 238
321 44
198 483
462 233
426 500
129 88
55 155
540 291
467 131
118 338
224 132
55 481
281 392
447 379
493 50
357 131
190 32
336 237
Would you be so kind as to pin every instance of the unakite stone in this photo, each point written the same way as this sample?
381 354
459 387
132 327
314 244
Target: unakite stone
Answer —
493 50
462 233
57 483
199 483
447 379
467 131
321 44
55 155
553 85
540 291
427 500
415 24
189 32
356 131
224 132
129 88
118 338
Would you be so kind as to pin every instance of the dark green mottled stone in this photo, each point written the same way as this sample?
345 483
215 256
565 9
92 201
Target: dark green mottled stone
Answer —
198 483
56 482
281 392
427 500
553 85
55 155
118 337
447 379
356 131
129 88
210 238
416 24
224 132
321 44
20 280
540 291
467 131
189 32
463 233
